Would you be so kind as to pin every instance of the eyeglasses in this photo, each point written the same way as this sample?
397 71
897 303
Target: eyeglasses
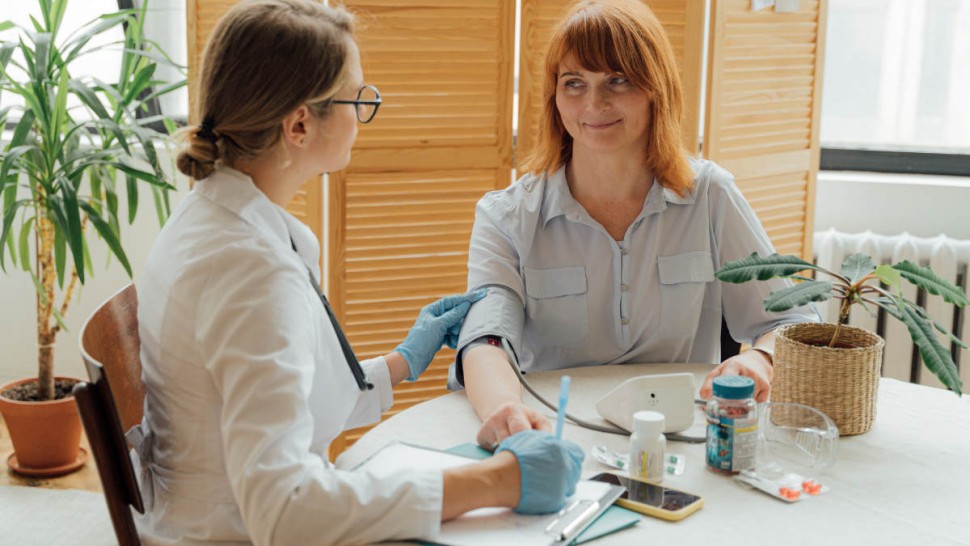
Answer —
367 103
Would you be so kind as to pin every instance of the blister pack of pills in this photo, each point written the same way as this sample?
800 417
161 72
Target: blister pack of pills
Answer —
673 464
788 487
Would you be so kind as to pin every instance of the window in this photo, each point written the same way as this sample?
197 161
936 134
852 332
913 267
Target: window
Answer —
896 82
165 25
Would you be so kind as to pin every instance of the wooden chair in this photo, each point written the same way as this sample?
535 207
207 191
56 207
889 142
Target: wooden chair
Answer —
111 403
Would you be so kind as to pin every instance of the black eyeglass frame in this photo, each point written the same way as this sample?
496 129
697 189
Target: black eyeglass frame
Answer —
376 103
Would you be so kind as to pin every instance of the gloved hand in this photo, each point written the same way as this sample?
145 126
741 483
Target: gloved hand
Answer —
437 324
549 469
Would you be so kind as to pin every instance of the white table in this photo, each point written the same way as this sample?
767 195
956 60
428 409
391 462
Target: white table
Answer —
906 481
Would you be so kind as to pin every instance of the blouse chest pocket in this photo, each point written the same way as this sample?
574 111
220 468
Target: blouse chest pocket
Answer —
683 281
556 309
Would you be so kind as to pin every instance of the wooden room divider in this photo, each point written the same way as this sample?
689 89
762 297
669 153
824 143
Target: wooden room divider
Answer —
399 218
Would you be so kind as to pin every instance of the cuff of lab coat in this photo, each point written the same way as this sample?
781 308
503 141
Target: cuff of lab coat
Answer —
377 373
430 485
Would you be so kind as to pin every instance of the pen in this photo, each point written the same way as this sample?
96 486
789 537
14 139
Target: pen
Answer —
578 523
563 399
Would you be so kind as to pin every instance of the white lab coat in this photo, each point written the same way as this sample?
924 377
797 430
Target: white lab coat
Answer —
247 386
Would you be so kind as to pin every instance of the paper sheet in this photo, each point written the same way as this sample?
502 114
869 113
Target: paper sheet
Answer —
482 527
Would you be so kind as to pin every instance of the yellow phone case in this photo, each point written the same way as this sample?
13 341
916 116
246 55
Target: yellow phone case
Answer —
656 512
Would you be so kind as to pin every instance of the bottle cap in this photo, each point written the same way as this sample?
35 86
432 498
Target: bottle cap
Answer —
648 423
733 387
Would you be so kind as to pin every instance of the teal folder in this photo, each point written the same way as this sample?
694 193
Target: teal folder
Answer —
612 520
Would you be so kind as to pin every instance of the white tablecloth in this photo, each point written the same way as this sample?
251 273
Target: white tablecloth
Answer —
907 481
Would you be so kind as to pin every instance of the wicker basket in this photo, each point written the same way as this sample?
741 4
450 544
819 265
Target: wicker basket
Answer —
841 381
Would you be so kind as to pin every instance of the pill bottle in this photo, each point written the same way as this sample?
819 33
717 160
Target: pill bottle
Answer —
732 425
647 446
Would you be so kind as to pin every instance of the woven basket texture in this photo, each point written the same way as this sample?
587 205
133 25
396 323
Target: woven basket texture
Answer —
841 381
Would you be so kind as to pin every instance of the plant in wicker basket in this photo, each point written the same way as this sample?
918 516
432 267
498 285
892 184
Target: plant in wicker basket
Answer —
858 283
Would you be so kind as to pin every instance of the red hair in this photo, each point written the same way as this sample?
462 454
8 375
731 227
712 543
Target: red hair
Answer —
623 37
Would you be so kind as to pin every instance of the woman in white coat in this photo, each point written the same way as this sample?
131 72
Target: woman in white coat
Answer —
248 374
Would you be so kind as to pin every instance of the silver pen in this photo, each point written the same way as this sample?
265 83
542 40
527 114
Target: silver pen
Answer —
579 522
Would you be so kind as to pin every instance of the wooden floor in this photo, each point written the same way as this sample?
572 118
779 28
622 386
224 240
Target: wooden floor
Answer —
86 478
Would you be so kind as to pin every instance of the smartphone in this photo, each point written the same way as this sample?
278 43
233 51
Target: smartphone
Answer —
652 499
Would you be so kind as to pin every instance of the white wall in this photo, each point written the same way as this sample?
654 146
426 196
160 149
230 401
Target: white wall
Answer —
18 316
925 206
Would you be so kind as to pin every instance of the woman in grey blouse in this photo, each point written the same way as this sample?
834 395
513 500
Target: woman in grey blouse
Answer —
605 252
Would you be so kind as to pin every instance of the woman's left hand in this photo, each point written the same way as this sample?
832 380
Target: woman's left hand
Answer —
438 323
753 364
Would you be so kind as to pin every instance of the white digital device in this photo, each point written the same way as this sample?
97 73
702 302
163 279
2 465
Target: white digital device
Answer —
671 394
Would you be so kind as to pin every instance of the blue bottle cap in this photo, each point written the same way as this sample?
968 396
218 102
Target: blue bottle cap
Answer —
733 387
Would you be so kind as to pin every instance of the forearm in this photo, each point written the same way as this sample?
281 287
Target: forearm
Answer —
765 346
490 381
397 366
493 482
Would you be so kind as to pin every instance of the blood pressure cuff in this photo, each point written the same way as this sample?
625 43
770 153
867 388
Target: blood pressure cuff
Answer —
502 314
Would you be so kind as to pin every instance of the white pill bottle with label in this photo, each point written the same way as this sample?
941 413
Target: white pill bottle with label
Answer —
647 446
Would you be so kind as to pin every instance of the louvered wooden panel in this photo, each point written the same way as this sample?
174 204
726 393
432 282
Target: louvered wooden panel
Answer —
444 71
684 22
202 16
682 19
401 215
538 19
763 111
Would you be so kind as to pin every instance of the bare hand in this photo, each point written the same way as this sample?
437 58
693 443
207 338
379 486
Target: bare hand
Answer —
753 364
506 421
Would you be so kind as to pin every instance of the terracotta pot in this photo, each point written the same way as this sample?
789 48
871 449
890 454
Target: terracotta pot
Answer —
841 382
46 435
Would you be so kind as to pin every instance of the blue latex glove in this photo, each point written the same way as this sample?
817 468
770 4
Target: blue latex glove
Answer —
438 323
549 470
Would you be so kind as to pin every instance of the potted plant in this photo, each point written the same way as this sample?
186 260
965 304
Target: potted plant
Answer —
835 367
80 148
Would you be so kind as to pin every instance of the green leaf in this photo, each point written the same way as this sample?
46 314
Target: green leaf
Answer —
764 268
926 316
798 295
25 244
9 214
56 15
6 25
140 82
73 235
72 215
132 186
75 43
59 113
108 235
22 130
59 318
925 278
889 276
60 256
857 266
935 356
142 175
161 91
89 98
42 43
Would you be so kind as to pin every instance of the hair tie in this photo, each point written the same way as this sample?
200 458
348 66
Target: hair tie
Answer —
205 130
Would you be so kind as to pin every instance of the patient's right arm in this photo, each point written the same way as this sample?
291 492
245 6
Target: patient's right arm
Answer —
496 396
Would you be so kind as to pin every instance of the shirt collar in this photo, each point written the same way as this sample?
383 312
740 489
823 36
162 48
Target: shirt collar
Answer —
235 191
558 201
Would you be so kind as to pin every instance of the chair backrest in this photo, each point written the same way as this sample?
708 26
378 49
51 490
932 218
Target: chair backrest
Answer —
111 403
729 347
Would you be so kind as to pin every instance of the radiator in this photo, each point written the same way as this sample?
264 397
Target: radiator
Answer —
947 257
